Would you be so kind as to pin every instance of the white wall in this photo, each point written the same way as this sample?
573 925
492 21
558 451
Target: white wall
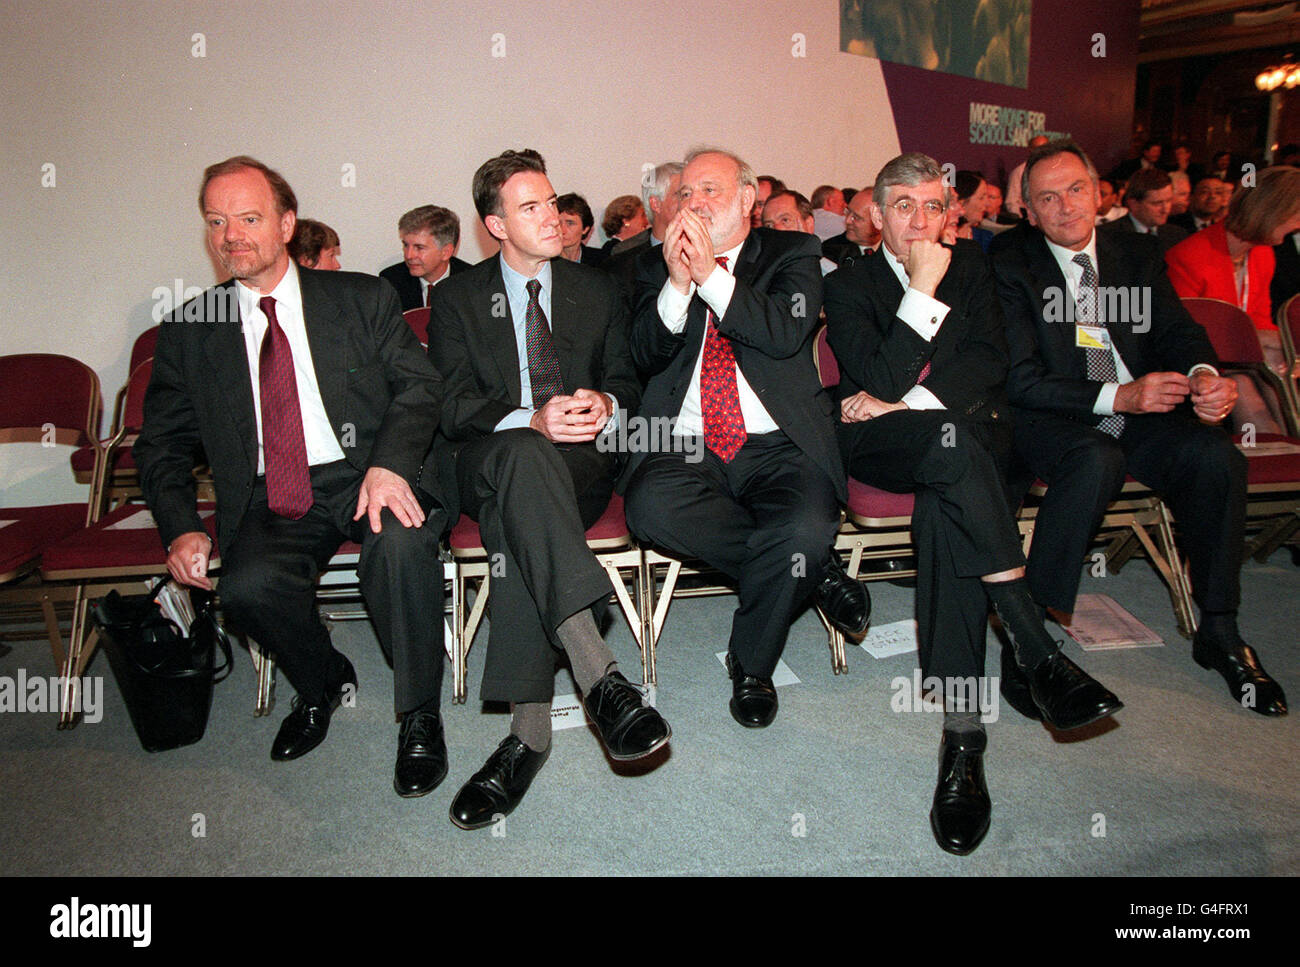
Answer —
111 95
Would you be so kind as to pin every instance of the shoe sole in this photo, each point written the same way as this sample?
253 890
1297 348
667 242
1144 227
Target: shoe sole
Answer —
648 752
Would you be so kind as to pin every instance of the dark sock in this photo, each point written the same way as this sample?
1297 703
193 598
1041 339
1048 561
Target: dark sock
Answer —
1219 627
530 722
962 722
589 656
1023 621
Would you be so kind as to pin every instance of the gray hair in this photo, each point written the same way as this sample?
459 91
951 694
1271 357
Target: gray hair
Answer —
657 186
909 169
746 173
1051 150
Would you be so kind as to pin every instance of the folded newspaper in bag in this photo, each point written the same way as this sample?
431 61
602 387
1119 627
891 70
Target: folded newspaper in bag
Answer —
162 648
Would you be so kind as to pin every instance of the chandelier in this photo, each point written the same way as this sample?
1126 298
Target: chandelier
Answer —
1285 74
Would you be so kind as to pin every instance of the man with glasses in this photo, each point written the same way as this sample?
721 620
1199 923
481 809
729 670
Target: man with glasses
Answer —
860 236
917 331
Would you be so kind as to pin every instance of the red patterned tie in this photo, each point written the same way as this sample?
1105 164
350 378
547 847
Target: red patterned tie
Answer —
925 371
284 447
724 424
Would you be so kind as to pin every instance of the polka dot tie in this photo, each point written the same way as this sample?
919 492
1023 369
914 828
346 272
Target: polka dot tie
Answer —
543 363
724 424
284 445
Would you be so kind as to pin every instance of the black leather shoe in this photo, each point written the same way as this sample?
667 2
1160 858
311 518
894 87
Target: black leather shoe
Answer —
306 726
1067 696
1015 687
960 814
497 788
844 601
421 754
629 727
1248 683
753 699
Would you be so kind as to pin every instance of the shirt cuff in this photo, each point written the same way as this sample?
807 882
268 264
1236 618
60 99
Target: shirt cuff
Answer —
920 398
923 314
717 290
673 305
516 419
1202 366
1105 405
612 423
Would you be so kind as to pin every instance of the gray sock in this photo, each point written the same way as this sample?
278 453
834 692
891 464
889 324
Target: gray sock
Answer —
589 656
530 722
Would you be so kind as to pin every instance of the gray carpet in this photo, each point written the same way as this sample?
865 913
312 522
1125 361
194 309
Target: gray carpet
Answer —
1184 782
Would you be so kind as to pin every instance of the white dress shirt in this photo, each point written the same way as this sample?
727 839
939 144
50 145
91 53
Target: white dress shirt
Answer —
716 291
322 444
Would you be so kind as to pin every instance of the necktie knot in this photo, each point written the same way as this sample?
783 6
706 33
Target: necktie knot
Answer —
721 260
267 305
534 287
1083 261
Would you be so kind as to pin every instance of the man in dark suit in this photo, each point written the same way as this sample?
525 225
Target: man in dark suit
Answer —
918 335
533 351
1148 200
660 195
429 236
751 482
315 407
860 236
1209 204
1102 389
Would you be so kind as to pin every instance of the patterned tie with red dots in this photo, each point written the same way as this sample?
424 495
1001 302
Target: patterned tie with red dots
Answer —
724 424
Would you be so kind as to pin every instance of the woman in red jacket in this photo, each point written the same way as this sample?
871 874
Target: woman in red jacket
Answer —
1232 260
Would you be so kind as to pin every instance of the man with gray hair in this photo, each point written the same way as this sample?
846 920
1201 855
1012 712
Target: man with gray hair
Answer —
429 236
659 193
722 325
917 331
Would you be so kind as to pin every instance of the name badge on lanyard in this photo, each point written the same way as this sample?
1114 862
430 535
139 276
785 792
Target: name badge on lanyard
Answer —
1091 337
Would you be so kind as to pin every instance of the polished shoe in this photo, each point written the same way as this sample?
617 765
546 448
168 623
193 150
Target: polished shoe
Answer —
629 727
1067 696
844 601
1014 687
306 726
497 788
753 699
960 814
1248 683
421 754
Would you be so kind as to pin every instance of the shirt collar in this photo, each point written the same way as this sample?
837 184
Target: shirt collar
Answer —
1065 257
287 292
518 281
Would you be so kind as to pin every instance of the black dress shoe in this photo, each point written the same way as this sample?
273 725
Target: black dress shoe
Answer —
960 814
421 754
753 699
306 726
628 726
1067 696
844 601
1248 683
497 788
1015 687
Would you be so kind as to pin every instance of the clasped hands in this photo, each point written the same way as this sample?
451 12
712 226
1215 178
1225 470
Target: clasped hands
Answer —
573 419
688 251
1213 397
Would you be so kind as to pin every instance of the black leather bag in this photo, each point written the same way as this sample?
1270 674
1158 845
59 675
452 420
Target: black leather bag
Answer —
165 677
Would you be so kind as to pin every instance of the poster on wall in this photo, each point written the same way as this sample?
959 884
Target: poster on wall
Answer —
984 39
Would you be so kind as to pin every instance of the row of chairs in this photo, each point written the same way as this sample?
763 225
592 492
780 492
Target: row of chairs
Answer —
78 552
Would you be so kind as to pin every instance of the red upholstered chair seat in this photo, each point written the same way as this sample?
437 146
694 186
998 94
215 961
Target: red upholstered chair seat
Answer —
611 525
104 546
1271 468
866 501
33 529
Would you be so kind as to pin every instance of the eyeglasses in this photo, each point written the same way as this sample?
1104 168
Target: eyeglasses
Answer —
906 207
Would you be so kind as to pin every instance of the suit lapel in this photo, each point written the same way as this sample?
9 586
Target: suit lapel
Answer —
497 331
1045 275
567 317
1112 272
327 337
224 346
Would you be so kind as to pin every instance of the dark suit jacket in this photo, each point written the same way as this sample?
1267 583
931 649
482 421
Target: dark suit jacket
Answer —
879 353
380 392
472 344
1048 371
1169 234
770 322
1286 273
408 286
838 246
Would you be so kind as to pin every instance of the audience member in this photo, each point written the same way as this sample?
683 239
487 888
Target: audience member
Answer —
789 211
917 330
315 245
860 233
828 206
1182 195
1015 205
429 236
766 185
576 226
973 201
752 483
1209 203
516 452
1147 200
624 218
1094 402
